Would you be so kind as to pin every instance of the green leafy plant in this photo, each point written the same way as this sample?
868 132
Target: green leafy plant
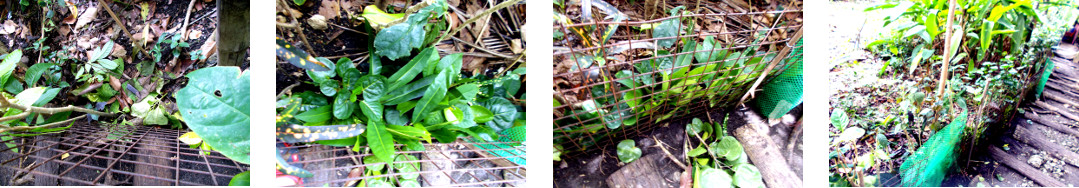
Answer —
628 151
715 159
216 105
426 99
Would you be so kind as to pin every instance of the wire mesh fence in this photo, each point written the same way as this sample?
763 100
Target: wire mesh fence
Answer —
618 83
112 155
459 164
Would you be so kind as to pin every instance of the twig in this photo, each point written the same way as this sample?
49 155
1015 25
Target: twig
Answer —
477 17
183 29
474 46
4 103
117 19
283 91
782 54
50 125
669 155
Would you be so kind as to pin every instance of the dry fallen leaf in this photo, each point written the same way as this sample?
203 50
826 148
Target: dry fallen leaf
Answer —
329 9
86 17
74 13
8 27
194 34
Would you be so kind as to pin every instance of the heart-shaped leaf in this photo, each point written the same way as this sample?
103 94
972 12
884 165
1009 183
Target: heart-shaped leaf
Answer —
216 105
628 151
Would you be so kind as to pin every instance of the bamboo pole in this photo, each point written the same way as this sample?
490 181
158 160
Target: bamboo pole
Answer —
947 45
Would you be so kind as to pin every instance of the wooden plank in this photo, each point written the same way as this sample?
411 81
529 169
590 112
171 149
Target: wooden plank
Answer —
1059 127
1024 168
1037 140
1062 112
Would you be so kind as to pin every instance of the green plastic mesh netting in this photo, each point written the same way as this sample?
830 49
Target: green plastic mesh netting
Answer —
512 152
927 167
1045 78
784 92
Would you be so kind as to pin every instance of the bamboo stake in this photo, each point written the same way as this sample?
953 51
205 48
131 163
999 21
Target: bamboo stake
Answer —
947 45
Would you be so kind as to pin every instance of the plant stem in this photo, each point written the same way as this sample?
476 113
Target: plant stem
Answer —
477 17
947 45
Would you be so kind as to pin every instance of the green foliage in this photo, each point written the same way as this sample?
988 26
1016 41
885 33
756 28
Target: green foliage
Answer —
725 156
242 179
426 97
927 167
628 151
216 105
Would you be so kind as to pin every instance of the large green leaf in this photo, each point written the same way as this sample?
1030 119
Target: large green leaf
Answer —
35 72
728 147
8 66
482 114
408 92
372 87
747 175
320 114
628 151
504 113
413 68
402 164
667 28
342 107
216 105
398 40
434 95
374 15
380 141
371 109
713 178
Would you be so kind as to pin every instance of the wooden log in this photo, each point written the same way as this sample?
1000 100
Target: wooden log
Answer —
1059 127
1027 135
764 153
1024 168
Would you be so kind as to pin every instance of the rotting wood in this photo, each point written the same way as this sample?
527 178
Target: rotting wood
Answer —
1024 168
773 167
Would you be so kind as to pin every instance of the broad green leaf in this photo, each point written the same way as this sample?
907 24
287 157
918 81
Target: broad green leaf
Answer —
394 117
8 66
413 68
398 40
628 151
727 147
35 72
667 28
102 52
371 109
839 118
957 41
410 132
747 175
468 91
320 114
403 166
504 113
697 151
156 117
242 179
380 141
372 14
434 95
107 64
29 96
695 126
482 114
851 134
322 76
713 178
344 142
511 86
372 87
407 92
342 107
374 164
707 52
299 2
450 63
216 105
467 116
